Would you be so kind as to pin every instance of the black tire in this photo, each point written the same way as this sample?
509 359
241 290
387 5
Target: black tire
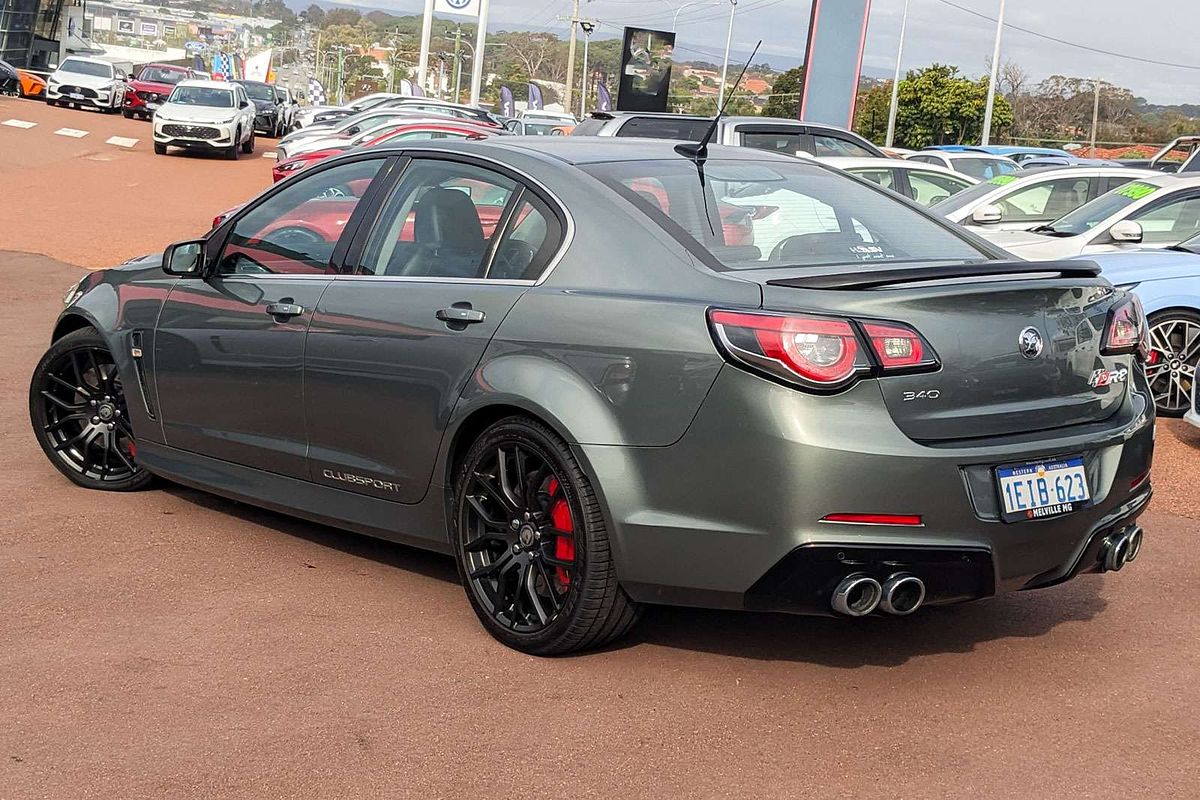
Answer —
1175 366
68 417
590 609
231 153
127 114
248 145
50 102
160 149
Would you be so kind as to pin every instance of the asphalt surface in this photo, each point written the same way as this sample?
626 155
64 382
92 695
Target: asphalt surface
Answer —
169 643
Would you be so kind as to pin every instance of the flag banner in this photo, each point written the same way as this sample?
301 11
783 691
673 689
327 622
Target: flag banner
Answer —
198 63
603 98
406 87
417 90
316 92
535 97
836 32
508 105
645 70
462 8
258 66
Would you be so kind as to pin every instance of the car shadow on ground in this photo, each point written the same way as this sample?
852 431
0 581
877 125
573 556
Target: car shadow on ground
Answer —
833 642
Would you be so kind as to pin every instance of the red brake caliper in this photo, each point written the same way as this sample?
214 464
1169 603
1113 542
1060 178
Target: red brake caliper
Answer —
564 546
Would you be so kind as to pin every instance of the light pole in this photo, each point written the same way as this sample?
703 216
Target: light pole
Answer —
725 63
991 95
587 26
675 21
480 41
891 130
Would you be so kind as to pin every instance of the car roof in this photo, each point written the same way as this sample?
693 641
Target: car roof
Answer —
596 149
850 162
88 59
962 154
199 82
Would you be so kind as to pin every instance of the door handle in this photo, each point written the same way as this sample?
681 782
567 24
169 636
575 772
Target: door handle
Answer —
461 314
284 310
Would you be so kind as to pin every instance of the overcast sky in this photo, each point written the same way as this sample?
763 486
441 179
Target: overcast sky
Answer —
1162 30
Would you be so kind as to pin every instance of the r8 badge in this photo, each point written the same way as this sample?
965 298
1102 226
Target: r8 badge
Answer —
1106 377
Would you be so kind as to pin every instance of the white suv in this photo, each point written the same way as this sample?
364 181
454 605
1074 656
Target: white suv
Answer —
87 82
205 115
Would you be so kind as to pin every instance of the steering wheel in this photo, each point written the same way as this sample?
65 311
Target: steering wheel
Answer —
513 260
341 190
293 235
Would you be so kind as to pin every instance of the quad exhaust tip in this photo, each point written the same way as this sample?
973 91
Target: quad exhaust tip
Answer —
1121 548
857 595
902 594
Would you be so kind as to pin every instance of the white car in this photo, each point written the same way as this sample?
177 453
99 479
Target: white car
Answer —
305 115
1158 211
206 115
548 116
1193 413
925 183
980 166
1021 202
299 141
87 82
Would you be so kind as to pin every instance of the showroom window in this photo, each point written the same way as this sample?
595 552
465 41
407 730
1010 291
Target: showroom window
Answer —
296 230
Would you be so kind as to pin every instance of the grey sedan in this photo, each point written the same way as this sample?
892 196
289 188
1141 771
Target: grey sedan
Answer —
603 374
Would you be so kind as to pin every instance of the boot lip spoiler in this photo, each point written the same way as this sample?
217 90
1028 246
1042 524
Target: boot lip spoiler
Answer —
871 278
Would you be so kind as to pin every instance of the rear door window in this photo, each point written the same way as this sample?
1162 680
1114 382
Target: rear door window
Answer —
788 142
825 144
668 127
1045 201
929 188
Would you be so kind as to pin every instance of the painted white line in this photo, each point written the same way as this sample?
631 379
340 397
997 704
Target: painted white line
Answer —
72 132
270 154
18 123
121 141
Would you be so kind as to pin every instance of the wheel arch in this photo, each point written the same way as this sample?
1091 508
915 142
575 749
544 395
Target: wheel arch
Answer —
1174 305
71 322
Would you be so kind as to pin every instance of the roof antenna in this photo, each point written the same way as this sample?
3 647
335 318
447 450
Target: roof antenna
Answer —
699 151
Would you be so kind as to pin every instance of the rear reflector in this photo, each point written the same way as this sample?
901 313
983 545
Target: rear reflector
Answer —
909 520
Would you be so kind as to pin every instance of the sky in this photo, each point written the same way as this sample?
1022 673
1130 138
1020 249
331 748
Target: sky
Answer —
1160 30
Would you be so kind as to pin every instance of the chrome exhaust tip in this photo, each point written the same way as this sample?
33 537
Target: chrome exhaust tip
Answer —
1116 551
1133 544
902 594
857 595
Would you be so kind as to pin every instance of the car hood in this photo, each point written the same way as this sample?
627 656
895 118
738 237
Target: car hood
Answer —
1139 266
263 105
1032 246
151 86
78 79
314 144
181 113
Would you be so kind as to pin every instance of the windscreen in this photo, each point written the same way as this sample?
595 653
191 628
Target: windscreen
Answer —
86 68
964 198
201 96
162 75
983 168
1089 215
259 91
749 214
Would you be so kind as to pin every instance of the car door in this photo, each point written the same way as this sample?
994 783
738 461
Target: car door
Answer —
1165 222
229 347
1045 201
394 341
930 188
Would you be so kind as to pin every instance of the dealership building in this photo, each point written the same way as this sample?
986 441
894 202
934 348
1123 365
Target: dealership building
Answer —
30 30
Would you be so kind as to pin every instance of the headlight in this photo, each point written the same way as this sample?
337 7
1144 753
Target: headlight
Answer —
73 293
291 167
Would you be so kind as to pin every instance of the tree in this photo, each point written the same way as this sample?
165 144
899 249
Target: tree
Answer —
871 111
936 105
531 50
784 100
315 15
341 16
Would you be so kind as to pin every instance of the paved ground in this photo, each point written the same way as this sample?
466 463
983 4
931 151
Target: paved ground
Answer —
172 644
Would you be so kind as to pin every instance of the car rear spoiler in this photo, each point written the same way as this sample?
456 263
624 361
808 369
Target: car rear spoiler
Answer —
873 278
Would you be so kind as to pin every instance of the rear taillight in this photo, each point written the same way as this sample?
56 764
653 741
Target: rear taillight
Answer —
820 353
1126 330
814 352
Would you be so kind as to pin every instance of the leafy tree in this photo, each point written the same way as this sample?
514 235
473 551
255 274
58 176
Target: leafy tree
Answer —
871 111
936 105
341 16
785 95
315 15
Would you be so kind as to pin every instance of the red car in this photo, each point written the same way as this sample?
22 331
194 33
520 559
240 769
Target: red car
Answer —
150 88
423 129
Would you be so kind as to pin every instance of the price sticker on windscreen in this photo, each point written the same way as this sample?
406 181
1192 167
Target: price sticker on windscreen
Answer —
1137 190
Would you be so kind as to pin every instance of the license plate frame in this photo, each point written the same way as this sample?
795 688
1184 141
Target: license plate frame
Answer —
153 106
1015 472
76 96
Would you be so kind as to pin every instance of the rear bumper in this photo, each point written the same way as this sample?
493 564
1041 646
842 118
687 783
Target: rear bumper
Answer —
736 504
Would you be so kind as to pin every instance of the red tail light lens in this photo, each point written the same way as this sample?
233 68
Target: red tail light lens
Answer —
898 346
1126 330
815 352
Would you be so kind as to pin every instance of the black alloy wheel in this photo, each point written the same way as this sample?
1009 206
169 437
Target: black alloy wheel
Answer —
79 413
248 146
531 544
1174 356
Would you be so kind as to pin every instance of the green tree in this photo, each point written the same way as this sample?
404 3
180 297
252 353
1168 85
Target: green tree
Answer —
341 16
936 105
785 95
871 112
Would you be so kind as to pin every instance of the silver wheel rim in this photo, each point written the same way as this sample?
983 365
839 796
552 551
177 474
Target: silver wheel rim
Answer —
1175 351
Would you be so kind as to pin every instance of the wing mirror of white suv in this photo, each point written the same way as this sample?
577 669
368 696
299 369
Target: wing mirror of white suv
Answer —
1126 232
987 214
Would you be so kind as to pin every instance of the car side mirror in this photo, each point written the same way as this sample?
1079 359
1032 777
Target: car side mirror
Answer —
245 104
184 258
987 214
1126 232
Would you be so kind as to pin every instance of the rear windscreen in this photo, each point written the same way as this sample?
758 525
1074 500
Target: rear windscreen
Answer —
689 130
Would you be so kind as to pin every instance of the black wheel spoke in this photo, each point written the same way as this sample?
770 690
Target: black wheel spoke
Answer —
553 595
96 370
46 393
488 519
124 459
498 496
506 486
58 423
529 584
496 567
65 443
74 389
481 541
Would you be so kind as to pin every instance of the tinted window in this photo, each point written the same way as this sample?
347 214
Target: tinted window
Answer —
883 177
983 168
162 75
589 127
749 214
787 142
829 145
689 130
86 68
445 219
928 160
296 230
259 91
1089 215
929 188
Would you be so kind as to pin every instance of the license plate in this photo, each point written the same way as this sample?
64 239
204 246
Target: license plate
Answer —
75 96
152 106
1042 489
